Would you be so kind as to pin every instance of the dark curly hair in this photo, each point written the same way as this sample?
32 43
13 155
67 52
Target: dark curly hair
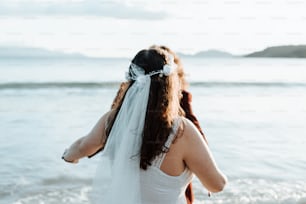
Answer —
163 105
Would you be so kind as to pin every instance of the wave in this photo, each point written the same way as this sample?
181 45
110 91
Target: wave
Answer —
115 84
39 85
246 191
242 84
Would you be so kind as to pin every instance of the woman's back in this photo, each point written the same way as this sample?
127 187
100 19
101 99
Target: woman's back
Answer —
170 173
166 179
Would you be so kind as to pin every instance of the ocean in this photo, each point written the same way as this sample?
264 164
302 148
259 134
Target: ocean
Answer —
252 111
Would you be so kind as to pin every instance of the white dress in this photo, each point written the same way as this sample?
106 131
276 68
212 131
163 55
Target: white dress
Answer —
155 186
158 187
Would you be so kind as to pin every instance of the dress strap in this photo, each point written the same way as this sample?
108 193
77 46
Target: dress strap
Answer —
160 158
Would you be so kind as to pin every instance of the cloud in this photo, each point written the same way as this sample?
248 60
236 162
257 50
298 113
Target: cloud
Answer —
98 8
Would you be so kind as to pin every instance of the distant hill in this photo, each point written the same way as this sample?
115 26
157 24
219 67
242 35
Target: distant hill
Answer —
288 51
30 52
208 53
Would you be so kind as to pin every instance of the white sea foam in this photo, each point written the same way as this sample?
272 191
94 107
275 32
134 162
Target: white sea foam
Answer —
259 191
241 191
66 196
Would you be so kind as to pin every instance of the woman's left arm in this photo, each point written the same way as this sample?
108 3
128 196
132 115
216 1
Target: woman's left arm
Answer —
88 144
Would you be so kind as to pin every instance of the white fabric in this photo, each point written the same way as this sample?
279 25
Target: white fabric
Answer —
158 187
118 173
118 177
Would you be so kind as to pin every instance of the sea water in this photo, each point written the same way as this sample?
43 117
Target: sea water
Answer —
251 110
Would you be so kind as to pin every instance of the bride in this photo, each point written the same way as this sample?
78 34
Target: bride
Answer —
150 152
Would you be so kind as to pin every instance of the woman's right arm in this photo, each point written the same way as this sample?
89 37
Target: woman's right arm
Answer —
199 159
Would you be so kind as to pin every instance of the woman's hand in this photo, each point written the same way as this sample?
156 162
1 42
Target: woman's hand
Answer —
72 161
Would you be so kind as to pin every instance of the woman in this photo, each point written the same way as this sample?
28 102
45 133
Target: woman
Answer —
146 155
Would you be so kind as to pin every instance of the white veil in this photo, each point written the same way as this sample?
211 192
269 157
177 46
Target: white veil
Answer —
118 173
117 178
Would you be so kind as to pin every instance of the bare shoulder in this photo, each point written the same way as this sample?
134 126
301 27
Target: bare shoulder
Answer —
188 136
190 132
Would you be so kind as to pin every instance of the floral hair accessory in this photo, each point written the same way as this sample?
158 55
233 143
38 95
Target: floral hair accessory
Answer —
169 68
137 71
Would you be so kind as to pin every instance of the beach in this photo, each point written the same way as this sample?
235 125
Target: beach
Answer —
251 110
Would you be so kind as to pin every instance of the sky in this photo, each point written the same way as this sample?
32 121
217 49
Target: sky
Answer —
117 28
